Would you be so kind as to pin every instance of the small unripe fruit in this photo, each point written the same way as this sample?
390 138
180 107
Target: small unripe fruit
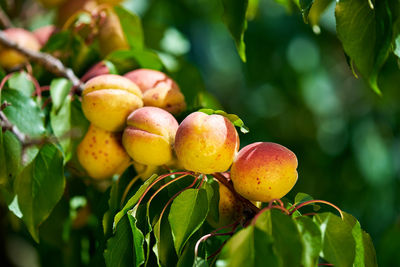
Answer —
230 209
44 33
206 143
96 70
111 35
71 7
101 153
10 58
264 171
158 89
107 100
149 136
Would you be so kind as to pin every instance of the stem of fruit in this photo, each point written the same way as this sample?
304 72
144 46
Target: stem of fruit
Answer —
159 179
229 185
294 207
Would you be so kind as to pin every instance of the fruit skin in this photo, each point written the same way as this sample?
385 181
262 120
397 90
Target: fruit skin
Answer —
206 143
51 3
111 35
71 7
96 70
44 33
159 90
10 58
101 153
230 209
264 171
107 100
149 136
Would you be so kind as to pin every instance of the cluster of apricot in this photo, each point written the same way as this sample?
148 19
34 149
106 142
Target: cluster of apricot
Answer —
123 132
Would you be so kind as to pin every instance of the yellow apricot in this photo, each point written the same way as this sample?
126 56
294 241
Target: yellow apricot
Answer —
230 209
206 143
149 136
108 99
101 153
264 171
72 7
111 35
159 90
51 3
10 58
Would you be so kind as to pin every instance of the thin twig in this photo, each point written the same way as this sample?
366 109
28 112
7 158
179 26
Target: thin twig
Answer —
52 64
4 20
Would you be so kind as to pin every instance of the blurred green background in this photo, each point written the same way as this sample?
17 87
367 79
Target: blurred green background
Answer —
295 89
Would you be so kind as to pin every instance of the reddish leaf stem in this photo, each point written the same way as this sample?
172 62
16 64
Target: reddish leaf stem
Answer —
159 179
174 196
294 207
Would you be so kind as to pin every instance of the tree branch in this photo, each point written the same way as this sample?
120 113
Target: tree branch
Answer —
4 20
49 62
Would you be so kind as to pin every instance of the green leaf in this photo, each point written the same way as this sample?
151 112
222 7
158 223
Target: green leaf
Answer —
231 117
21 82
24 113
138 239
39 187
250 247
59 89
132 201
312 240
132 27
365 34
365 251
287 242
234 17
164 246
212 189
10 157
60 115
119 247
128 60
187 214
338 242
301 198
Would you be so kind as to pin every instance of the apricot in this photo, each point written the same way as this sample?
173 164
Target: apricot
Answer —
206 143
101 153
264 171
51 3
96 70
44 33
111 35
149 136
9 58
108 99
71 7
158 89
145 171
230 209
